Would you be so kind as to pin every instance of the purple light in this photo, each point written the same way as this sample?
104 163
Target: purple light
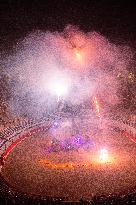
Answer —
56 124
78 139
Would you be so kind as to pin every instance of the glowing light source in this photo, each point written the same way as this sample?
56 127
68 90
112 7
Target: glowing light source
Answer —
59 89
97 106
67 165
58 86
103 158
78 55
131 77
56 124
78 139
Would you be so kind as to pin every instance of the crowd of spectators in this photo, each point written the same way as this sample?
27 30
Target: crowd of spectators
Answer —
8 196
15 128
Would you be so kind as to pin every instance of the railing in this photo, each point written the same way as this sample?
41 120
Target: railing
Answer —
10 135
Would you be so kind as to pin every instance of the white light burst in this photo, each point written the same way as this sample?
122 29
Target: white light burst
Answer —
59 86
103 156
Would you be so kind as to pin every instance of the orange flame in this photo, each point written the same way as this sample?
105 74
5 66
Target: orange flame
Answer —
97 106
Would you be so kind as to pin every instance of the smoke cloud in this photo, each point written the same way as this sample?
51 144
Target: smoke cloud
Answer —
88 63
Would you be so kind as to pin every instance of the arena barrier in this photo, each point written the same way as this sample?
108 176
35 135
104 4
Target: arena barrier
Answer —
11 137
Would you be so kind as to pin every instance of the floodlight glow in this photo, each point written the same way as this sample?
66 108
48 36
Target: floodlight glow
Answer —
58 86
78 54
103 158
56 124
59 89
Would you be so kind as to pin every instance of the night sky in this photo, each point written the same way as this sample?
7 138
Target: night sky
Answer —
113 19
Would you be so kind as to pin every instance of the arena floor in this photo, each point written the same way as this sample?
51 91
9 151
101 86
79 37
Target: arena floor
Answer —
72 174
